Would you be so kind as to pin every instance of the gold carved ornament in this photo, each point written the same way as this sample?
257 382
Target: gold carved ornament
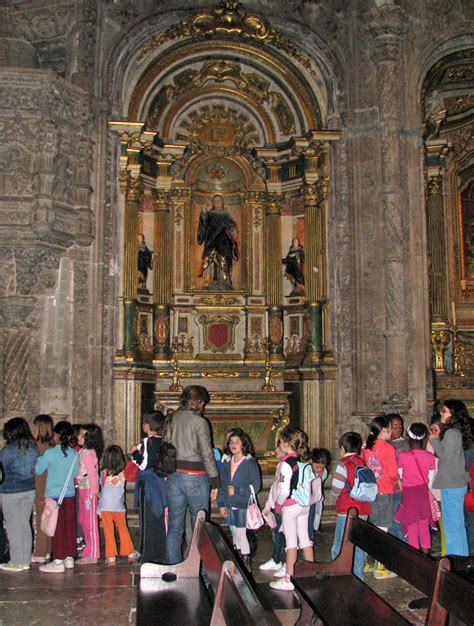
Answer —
229 20
229 320
440 338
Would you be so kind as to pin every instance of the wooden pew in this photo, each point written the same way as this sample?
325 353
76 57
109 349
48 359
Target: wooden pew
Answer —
454 597
334 595
188 600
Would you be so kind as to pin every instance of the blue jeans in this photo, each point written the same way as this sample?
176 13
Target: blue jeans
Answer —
183 491
278 541
452 510
359 555
396 529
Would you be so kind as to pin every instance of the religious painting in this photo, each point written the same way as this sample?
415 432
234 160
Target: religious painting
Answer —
467 234
216 229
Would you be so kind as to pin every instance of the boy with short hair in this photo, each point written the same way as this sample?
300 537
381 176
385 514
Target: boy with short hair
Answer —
150 490
350 445
320 462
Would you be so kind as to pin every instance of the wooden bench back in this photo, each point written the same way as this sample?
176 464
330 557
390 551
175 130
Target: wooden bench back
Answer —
213 551
455 596
411 565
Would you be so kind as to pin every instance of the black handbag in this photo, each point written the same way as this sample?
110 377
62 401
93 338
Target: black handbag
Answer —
2 473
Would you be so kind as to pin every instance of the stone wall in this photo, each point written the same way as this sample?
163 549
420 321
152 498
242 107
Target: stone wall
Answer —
58 192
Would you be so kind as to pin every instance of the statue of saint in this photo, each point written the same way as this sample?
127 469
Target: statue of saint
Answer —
294 261
218 232
144 263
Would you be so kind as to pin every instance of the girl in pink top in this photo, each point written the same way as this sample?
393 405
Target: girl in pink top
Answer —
380 456
416 468
92 445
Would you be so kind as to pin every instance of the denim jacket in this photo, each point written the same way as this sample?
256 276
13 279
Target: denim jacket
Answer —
18 466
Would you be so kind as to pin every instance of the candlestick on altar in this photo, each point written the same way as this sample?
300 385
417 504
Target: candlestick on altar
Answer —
176 381
268 383
453 314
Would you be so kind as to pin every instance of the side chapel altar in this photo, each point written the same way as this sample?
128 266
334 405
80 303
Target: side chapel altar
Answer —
224 177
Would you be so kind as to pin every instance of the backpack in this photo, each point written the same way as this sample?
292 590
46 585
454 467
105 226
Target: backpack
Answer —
374 464
365 486
302 492
165 462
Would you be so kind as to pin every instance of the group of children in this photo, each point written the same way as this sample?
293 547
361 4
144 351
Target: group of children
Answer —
68 461
62 458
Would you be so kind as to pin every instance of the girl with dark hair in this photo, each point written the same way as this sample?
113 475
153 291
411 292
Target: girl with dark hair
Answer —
17 491
294 447
61 465
44 436
452 478
416 468
238 473
112 506
92 445
379 455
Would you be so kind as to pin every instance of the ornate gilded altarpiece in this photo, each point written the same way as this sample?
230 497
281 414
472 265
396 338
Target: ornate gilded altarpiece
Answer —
449 107
222 104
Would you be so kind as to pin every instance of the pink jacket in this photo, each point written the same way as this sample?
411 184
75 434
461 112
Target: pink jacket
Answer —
88 476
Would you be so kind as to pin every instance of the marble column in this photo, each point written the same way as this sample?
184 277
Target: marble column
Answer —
162 274
130 272
315 268
273 275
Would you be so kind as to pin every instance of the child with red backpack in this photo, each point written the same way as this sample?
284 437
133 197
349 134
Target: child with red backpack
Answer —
350 445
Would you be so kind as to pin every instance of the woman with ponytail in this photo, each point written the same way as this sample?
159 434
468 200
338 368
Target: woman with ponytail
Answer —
58 462
449 445
379 455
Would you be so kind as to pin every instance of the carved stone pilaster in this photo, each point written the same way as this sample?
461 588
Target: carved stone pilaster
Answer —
387 31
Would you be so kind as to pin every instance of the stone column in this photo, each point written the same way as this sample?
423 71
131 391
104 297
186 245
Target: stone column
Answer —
162 274
273 276
130 273
387 31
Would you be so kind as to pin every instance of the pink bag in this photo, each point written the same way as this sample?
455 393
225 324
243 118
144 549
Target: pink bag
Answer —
254 515
270 519
49 517
435 510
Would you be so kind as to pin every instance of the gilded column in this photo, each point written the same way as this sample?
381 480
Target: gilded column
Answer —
162 273
130 273
273 275
436 222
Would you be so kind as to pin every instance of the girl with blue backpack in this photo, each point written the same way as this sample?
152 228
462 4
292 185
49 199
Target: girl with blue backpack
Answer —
293 500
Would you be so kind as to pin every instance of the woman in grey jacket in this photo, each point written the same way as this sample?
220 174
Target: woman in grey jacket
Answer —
452 477
17 491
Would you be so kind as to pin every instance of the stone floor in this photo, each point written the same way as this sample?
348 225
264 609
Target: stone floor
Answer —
104 596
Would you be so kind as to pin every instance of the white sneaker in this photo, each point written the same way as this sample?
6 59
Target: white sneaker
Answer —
69 562
14 567
53 568
282 585
269 566
280 572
